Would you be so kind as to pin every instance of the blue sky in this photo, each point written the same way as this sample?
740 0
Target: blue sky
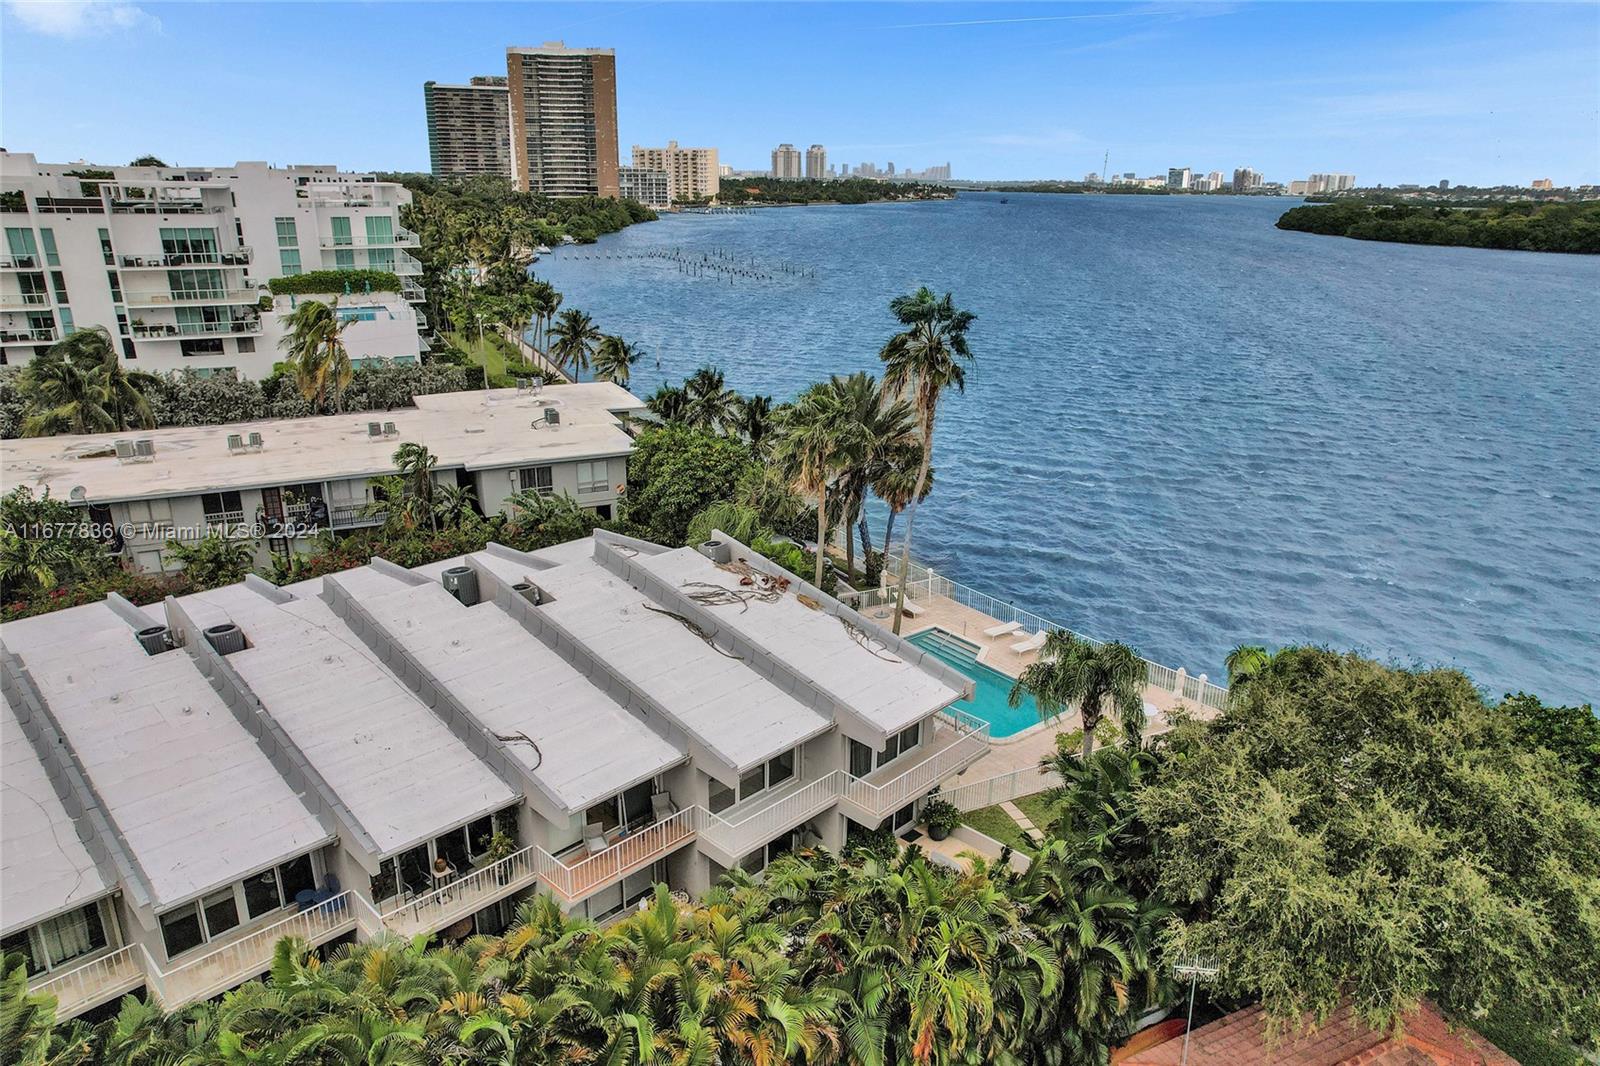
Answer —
1477 93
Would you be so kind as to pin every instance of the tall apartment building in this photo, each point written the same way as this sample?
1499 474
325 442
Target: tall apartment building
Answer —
570 699
653 188
816 162
469 128
1543 183
563 107
273 485
786 162
692 173
1246 179
1179 177
1330 182
173 261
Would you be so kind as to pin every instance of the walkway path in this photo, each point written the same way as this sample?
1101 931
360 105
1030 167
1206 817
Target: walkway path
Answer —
1030 832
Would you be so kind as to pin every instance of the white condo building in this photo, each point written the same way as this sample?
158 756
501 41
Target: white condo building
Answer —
261 482
173 261
191 781
692 173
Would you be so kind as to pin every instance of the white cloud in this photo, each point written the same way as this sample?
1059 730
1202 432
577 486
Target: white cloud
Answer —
80 18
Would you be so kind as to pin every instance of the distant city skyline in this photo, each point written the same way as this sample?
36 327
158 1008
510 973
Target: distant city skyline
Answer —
1396 93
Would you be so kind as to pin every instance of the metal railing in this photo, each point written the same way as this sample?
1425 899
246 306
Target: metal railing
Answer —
196 329
166 297
19 262
27 336
351 514
626 855
94 981
998 789
467 893
924 583
239 257
896 793
221 969
736 836
399 238
24 299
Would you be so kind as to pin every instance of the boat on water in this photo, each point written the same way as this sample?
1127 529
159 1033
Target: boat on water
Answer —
1005 199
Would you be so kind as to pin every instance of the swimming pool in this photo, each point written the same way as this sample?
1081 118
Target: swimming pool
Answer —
991 689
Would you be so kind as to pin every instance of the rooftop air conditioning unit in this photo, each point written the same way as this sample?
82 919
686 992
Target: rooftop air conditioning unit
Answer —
462 583
389 430
718 551
226 638
256 443
374 429
552 417
144 448
155 639
528 591
235 443
125 452
536 384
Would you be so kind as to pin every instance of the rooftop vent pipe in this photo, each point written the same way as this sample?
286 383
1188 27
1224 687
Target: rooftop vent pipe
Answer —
155 640
718 551
226 638
528 591
462 583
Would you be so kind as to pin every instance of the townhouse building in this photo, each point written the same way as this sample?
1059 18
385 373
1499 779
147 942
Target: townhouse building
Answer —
173 261
275 484
392 752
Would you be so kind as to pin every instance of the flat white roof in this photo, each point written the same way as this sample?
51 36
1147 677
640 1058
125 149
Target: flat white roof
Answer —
389 759
477 429
588 747
882 685
44 867
192 796
724 703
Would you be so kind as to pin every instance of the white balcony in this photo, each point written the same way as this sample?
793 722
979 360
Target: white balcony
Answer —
91 983
239 327
406 265
741 829
20 262
236 257
167 298
400 238
15 300
958 741
42 335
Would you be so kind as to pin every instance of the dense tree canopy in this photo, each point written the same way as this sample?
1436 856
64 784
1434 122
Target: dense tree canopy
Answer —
1529 227
675 472
1348 828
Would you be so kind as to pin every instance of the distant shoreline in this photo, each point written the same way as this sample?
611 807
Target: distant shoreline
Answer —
1572 229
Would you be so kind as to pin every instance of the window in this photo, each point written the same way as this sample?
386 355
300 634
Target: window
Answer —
781 768
903 817
344 259
105 247
537 478
860 759
220 506
114 280
722 797
19 242
127 349
48 238
753 782
221 910
341 229
59 940
246 345
262 894
67 328
289 261
287 237
452 848
627 809
380 259
181 930
200 346
594 477
191 284
297 876
192 245
59 281
380 230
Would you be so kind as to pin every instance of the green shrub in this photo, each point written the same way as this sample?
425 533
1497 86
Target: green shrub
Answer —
335 282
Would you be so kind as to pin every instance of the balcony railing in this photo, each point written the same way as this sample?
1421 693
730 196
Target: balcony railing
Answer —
406 266
400 237
159 207
238 960
41 335
94 982
239 257
344 515
882 799
167 298
24 299
19 262
739 835
244 326
468 894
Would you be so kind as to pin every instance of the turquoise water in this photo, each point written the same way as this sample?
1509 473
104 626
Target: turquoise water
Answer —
991 697
1187 429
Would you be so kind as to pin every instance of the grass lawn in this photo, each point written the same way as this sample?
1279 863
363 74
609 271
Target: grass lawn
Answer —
994 822
489 353
1040 811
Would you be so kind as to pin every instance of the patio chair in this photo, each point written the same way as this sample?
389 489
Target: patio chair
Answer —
910 608
1002 629
1033 643
594 838
661 806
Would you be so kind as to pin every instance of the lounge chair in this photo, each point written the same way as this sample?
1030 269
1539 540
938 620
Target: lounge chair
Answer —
1002 629
661 806
594 838
910 610
1033 643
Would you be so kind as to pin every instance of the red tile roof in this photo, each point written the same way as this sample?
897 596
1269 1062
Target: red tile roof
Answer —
1240 1039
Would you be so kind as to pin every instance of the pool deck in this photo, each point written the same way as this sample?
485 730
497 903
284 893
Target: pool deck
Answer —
1025 749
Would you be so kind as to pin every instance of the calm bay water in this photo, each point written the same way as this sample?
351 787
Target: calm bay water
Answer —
1187 429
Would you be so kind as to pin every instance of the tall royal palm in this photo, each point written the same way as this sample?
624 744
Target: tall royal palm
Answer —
754 421
614 359
315 343
710 404
574 339
820 441
887 428
920 362
1100 679
896 482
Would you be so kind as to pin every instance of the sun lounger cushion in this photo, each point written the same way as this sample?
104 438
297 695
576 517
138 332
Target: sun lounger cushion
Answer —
1002 629
1033 643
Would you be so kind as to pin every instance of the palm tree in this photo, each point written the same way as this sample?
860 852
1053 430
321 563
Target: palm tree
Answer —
575 336
897 481
1097 678
709 404
456 505
821 440
669 403
91 349
214 560
614 360
920 363
314 339
754 420
414 465
887 429
546 302
1247 663
64 397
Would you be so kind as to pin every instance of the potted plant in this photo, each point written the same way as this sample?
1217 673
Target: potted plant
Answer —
940 816
500 847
